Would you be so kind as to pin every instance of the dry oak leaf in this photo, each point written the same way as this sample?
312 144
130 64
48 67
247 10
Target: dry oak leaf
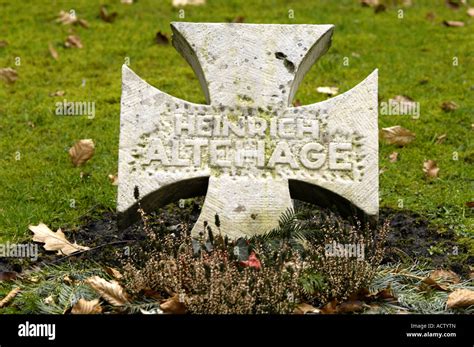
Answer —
440 139
8 74
393 157
369 3
460 298
8 275
66 18
439 279
83 306
113 272
173 306
305 308
70 18
449 106
385 294
113 179
446 276
106 16
455 4
111 291
350 306
329 308
53 51
54 241
9 297
58 93
73 41
179 3
430 168
397 135
453 23
404 102
328 90
82 151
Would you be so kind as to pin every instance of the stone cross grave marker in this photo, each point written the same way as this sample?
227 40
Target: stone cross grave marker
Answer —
247 148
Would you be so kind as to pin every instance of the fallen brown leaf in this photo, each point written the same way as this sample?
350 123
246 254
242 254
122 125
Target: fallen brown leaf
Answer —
297 103
446 276
380 8
73 41
82 151
8 74
111 291
329 308
6 300
350 306
161 39
449 106
404 102
67 18
369 3
238 19
113 179
54 241
453 23
58 93
83 306
430 168
83 23
180 3
53 51
393 157
470 204
8 275
397 135
153 294
113 272
440 139
454 4
460 298
440 279
305 308
385 294
106 16
173 306
328 90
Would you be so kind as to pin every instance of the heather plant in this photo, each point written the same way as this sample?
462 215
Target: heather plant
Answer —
313 256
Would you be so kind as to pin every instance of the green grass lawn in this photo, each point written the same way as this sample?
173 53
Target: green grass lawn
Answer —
414 56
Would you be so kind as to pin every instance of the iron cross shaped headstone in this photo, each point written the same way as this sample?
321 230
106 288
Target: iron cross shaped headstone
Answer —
247 148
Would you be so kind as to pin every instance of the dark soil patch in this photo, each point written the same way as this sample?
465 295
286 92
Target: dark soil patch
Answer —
411 238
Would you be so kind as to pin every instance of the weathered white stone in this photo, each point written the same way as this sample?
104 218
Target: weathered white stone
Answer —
248 146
